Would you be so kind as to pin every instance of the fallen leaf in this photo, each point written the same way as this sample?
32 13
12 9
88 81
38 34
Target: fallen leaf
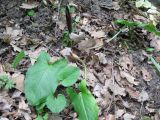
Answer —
18 78
129 78
119 113
110 117
126 62
143 96
146 75
128 116
29 5
132 93
66 51
14 33
92 80
77 37
155 42
115 88
98 34
102 58
86 44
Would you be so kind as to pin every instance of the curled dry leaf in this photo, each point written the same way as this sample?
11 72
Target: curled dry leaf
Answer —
77 37
66 51
29 5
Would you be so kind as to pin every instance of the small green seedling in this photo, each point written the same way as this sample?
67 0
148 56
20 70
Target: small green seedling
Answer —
42 81
31 13
18 58
150 49
6 82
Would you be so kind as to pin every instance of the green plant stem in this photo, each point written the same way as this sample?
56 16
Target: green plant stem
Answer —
121 30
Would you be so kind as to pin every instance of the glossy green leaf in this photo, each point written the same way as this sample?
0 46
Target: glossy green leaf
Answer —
18 58
84 103
56 105
68 76
43 78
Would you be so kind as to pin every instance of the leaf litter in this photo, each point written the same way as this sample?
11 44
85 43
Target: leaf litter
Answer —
119 77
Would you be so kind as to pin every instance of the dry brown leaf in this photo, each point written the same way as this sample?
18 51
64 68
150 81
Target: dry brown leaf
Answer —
128 116
102 58
66 51
18 78
98 34
133 93
110 117
126 62
92 80
5 102
115 88
77 37
119 113
129 78
155 42
29 5
146 75
143 96
86 44
14 33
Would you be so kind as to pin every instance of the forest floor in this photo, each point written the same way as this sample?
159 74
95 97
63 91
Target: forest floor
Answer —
121 76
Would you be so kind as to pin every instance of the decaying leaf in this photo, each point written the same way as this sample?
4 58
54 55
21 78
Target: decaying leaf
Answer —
146 75
98 34
29 5
143 96
128 116
129 78
115 88
18 78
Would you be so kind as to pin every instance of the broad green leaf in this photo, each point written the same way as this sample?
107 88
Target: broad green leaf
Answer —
42 78
68 76
84 104
56 105
18 58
